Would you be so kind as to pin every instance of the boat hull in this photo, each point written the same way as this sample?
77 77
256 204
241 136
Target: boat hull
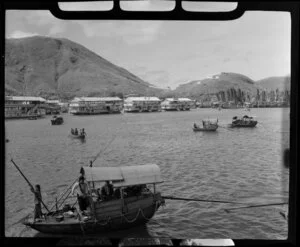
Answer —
138 213
56 122
243 125
203 129
77 136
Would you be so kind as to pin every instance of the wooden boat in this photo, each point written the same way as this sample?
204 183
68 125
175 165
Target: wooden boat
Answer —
57 120
208 125
78 136
245 121
119 212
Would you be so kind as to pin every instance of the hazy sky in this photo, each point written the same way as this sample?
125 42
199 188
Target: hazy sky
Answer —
169 53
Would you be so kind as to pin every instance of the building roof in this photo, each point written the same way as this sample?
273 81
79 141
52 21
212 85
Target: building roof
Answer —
53 101
178 99
125 175
25 98
89 99
144 98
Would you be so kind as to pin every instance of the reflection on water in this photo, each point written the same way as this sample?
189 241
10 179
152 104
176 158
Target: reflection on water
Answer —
242 164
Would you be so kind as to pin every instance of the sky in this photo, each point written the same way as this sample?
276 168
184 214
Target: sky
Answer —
170 53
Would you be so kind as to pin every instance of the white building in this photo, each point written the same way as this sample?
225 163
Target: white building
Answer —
142 104
24 107
95 105
177 104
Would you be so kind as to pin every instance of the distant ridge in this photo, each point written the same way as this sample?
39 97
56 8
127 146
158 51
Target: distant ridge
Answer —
60 68
44 66
273 83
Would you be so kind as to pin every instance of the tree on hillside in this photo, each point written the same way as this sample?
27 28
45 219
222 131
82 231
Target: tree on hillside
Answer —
263 96
277 94
257 95
228 92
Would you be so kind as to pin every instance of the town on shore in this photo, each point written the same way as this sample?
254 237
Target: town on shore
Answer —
32 106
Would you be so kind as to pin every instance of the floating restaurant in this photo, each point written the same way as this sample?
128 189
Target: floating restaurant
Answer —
95 105
177 104
24 107
142 104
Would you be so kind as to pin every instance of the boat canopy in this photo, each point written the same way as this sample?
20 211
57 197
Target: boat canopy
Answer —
213 121
124 176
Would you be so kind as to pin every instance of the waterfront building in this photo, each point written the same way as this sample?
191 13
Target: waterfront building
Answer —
95 105
142 104
24 107
52 107
177 104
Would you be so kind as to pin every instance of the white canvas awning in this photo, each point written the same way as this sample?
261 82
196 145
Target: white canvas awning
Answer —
124 176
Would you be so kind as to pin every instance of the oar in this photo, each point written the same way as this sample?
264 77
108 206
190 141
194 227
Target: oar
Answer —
30 185
199 200
255 206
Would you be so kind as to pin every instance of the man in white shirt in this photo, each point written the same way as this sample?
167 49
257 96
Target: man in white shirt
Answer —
83 193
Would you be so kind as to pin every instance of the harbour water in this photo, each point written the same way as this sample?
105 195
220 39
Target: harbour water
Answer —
238 165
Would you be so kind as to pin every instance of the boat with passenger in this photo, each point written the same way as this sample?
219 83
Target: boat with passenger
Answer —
57 120
244 121
78 134
208 125
133 201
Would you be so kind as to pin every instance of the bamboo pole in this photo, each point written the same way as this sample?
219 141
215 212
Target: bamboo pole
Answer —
30 185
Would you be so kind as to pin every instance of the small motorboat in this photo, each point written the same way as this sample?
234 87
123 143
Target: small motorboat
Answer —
208 125
57 120
245 121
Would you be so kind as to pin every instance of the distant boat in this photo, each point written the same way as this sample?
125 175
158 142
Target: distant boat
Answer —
32 118
245 121
78 135
208 125
6 140
57 120
131 204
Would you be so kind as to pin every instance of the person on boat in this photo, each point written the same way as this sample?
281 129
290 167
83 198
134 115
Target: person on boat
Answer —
82 193
37 202
72 131
82 132
195 126
107 190
117 193
76 131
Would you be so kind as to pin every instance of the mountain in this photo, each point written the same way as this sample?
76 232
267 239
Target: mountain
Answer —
272 83
218 83
44 66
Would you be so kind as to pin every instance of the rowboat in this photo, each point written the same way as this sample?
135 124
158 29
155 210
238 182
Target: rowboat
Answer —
245 121
57 120
208 125
119 212
78 136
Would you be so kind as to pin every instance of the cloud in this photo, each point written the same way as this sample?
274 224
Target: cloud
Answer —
131 32
38 19
20 34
